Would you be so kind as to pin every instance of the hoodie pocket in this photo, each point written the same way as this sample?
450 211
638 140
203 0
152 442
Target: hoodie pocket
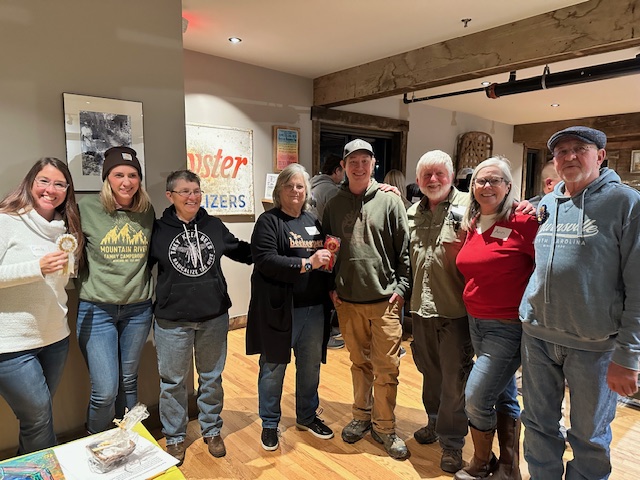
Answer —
194 300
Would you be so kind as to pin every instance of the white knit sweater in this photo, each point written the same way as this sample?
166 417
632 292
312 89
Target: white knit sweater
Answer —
33 307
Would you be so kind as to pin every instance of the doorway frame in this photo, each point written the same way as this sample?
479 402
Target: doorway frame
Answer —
326 116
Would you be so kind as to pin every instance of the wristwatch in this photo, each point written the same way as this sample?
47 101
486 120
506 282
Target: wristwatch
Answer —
307 266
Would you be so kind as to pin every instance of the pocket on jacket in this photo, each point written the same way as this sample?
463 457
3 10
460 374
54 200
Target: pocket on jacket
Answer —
193 300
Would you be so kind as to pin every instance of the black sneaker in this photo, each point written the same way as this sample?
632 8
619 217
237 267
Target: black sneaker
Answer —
335 343
317 427
269 439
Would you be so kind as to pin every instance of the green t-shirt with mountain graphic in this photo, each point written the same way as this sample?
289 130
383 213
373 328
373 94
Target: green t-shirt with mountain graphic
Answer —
116 251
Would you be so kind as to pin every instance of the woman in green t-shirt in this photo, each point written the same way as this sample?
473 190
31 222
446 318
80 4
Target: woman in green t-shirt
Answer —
114 314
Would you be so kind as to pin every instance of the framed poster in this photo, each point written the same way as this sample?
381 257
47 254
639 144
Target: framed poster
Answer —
223 159
635 161
94 124
286 147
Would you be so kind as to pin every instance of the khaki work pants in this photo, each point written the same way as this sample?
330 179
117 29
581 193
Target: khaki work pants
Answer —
372 333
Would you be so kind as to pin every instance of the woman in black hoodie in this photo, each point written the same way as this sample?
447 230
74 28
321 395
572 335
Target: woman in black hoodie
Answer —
191 310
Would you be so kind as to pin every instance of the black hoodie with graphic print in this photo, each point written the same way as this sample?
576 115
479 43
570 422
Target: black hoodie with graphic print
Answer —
190 285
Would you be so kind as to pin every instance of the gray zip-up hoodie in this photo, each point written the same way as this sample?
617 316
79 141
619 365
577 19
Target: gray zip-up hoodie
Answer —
585 290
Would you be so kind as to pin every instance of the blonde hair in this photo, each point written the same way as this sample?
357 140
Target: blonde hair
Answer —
396 178
505 208
141 201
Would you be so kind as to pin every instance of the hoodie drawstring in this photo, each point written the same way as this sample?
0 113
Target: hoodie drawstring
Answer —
192 247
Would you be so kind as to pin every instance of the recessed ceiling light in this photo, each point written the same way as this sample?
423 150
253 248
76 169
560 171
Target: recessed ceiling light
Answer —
235 39
554 105
485 84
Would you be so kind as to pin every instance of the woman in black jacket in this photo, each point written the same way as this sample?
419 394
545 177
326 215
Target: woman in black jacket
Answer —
191 310
290 304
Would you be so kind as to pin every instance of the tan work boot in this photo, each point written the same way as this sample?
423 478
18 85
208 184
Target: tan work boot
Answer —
509 440
483 461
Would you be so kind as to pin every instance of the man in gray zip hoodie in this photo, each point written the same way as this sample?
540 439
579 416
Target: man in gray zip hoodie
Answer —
581 310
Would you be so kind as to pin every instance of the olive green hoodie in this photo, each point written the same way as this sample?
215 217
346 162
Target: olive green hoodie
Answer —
373 262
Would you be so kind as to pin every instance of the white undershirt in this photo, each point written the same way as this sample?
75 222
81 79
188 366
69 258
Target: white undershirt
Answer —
485 222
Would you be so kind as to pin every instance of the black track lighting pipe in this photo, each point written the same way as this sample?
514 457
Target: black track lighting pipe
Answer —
406 99
570 77
547 80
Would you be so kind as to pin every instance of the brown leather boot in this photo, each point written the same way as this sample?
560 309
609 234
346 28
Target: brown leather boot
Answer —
483 461
509 439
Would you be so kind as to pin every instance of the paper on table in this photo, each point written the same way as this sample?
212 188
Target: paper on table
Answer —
146 461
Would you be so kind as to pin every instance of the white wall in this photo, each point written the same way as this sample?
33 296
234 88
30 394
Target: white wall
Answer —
226 93
130 50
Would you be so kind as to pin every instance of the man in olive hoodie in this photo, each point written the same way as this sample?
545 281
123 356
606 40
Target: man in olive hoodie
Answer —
372 281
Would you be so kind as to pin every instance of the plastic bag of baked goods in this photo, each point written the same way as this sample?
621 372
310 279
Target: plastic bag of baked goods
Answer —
110 449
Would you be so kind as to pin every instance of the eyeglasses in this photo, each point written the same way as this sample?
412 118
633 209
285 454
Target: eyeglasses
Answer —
44 182
291 187
493 181
188 193
579 151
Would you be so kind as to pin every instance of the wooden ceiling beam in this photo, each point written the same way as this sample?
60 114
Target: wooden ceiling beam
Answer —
596 26
619 128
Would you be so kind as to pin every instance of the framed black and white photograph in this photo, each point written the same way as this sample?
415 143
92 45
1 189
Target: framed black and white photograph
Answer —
93 125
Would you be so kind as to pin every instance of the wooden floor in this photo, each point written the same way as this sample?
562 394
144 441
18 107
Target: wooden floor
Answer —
302 456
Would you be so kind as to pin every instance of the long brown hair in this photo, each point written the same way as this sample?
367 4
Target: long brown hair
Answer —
22 199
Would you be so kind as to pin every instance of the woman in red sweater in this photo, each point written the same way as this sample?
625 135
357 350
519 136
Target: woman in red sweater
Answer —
496 261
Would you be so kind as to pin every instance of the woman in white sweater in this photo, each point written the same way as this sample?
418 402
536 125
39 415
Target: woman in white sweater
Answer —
36 256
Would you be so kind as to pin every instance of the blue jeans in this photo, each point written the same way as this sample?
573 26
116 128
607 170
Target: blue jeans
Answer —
176 343
491 386
306 341
28 381
593 407
111 338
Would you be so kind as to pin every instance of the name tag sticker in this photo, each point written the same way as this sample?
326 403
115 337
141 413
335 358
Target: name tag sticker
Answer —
312 230
501 232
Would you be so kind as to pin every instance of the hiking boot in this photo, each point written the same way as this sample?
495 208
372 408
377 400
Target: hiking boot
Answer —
394 446
176 450
355 430
216 446
269 439
451 460
426 435
335 343
317 428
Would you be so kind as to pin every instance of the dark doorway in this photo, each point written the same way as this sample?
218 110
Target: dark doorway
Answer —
533 168
332 129
333 140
